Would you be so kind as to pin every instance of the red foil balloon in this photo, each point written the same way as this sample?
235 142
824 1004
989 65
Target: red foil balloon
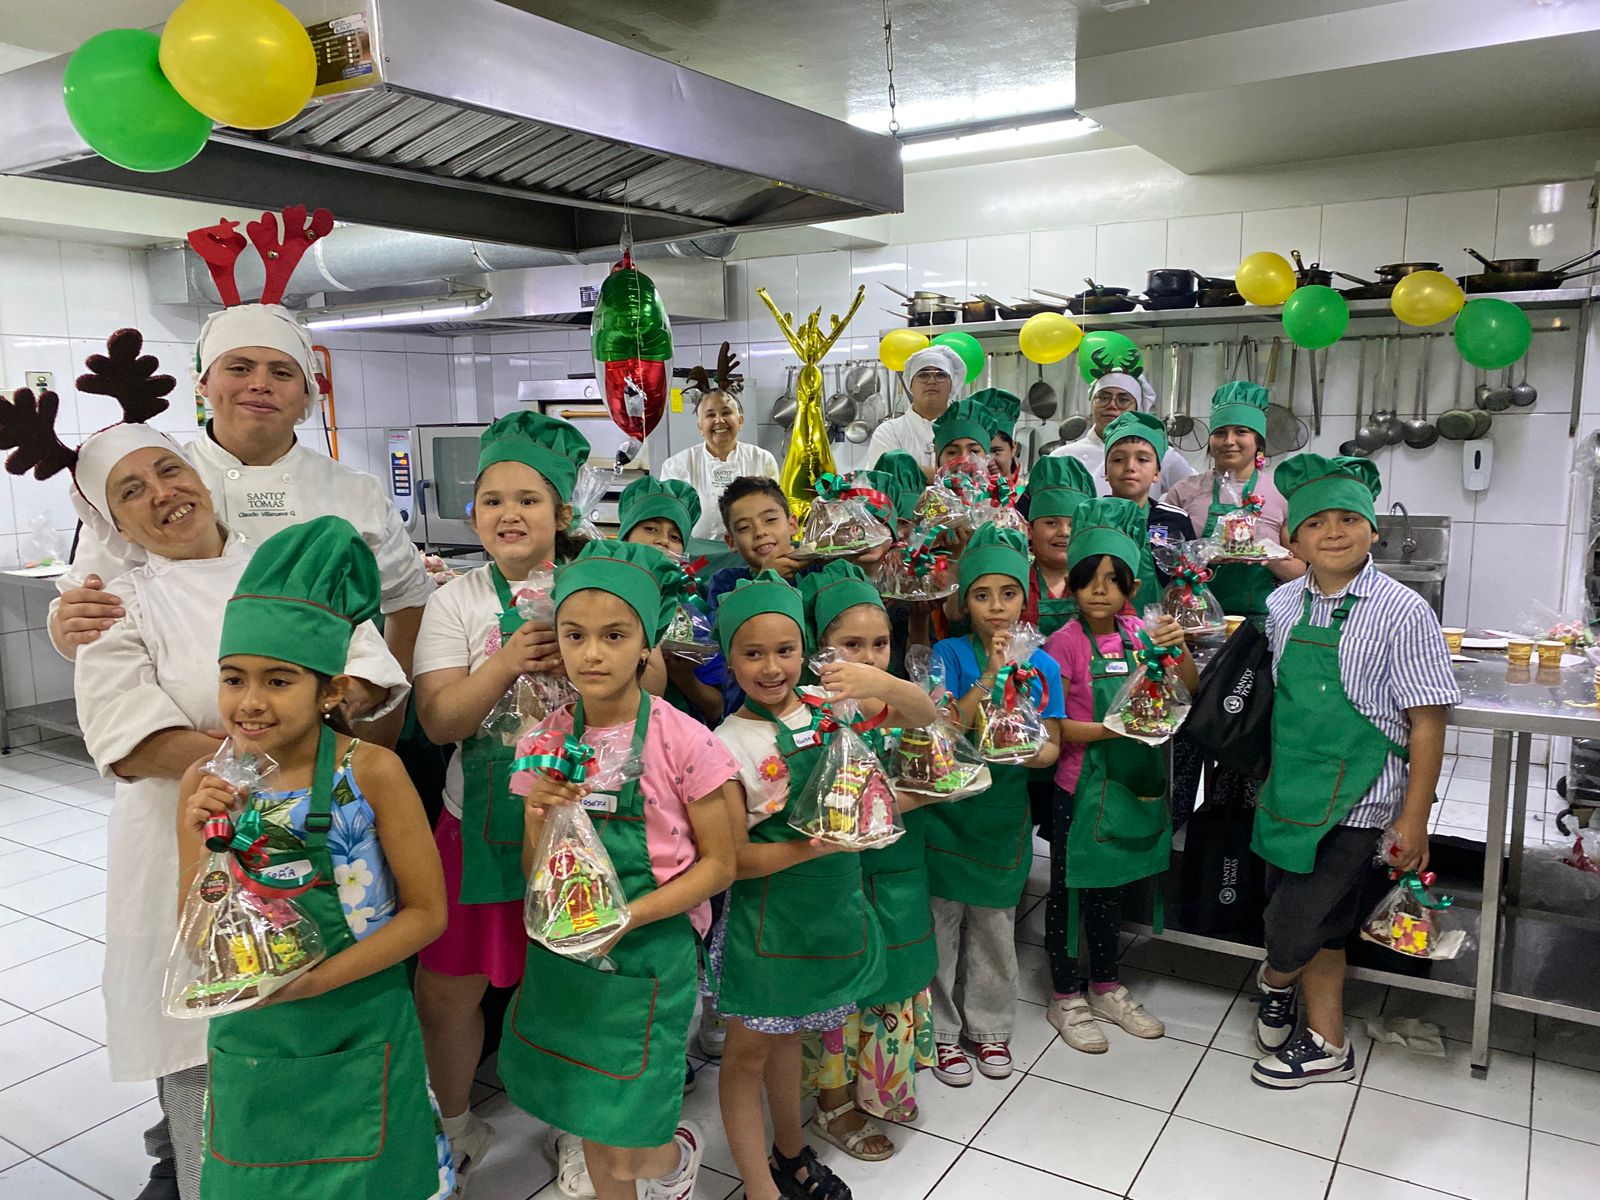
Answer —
632 341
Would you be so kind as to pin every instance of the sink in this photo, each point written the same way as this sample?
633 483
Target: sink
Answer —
1423 568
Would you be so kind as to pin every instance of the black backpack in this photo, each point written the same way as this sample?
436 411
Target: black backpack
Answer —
1231 720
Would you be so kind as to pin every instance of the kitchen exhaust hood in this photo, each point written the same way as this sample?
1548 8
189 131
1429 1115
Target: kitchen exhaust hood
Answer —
477 120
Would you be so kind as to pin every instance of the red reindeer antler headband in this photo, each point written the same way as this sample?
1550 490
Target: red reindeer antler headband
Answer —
220 245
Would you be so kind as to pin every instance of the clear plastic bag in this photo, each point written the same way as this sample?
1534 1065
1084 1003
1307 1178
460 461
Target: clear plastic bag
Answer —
1009 728
848 801
587 493
1153 703
690 634
532 697
44 546
574 903
1545 624
600 764
839 528
1410 920
1188 598
1234 539
938 761
943 509
241 936
916 570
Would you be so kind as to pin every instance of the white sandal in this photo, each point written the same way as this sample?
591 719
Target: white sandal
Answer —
565 1152
851 1142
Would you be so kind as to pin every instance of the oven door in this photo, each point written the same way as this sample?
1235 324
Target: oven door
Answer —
448 457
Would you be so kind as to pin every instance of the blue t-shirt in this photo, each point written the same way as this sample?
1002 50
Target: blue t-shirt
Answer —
955 657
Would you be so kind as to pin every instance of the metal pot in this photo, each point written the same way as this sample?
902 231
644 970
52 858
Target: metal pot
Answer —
1314 275
1220 297
1169 281
981 309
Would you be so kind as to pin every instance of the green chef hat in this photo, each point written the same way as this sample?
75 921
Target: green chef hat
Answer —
647 498
1147 427
909 480
641 576
1057 486
305 590
993 550
965 419
1107 525
766 593
829 592
549 445
1006 407
1240 402
1313 484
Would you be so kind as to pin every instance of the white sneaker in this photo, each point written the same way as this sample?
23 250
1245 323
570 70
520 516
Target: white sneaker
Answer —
713 1030
565 1152
468 1149
1306 1059
681 1186
1122 1009
1075 1022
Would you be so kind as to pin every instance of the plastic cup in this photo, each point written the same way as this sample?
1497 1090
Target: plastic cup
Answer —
1519 650
1550 652
1452 638
1232 624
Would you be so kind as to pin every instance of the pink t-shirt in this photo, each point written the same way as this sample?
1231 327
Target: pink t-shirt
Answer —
683 762
1069 646
1193 495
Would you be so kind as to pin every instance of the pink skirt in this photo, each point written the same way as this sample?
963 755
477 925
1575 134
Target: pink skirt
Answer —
478 939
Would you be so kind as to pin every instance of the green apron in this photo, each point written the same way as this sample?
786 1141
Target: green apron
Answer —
804 940
1054 612
600 1053
896 879
980 849
1150 588
1241 588
491 817
1121 828
1325 754
326 1096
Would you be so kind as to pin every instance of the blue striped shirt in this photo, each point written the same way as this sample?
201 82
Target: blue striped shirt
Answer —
1392 657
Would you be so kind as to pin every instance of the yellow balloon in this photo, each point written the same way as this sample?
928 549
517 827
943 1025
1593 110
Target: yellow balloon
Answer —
1265 278
1426 298
899 345
245 63
1048 337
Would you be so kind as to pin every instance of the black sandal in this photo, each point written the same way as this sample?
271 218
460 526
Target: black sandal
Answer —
819 1184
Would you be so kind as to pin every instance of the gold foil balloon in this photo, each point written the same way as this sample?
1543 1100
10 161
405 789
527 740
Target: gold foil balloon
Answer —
809 457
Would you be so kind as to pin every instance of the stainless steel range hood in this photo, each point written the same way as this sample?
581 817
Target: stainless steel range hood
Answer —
482 121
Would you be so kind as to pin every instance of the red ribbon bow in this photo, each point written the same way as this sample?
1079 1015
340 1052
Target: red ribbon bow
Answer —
826 722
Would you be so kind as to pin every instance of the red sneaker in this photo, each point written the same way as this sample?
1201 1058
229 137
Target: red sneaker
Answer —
951 1065
994 1058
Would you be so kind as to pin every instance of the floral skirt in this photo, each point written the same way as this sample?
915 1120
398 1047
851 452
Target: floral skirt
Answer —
879 1051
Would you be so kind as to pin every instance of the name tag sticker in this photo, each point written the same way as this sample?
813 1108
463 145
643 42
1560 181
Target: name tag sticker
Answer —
805 739
723 474
605 802
1116 668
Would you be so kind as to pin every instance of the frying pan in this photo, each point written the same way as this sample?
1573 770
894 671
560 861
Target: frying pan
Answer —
1365 290
1220 297
1162 303
1196 433
1526 281
1457 424
1395 272
1180 424
1314 275
1041 397
1076 423
1505 266
1021 310
783 408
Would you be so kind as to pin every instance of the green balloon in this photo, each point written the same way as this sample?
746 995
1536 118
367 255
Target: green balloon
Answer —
1103 351
122 105
1492 333
1315 316
969 349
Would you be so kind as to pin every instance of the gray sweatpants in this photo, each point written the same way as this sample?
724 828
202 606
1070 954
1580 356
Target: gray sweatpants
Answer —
182 1096
979 945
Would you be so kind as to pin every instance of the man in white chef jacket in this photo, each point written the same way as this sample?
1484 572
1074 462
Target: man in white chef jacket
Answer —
932 376
1113 394
258 374
720 458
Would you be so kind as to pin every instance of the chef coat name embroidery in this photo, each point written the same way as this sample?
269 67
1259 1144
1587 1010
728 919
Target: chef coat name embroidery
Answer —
267 504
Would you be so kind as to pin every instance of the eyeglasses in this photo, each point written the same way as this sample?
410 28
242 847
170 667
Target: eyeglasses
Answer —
929 375
1122 402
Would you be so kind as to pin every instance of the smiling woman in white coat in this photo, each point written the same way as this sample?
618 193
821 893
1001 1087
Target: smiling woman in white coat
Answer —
146 692
720 459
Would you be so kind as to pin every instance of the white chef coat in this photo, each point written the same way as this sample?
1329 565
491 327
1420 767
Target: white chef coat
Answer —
259 501
710 477
1091 452
909 432
154 670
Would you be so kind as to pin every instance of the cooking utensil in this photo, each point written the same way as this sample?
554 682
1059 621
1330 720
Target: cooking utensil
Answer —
1419 432
1527 281
1499 398
1163 303
1456 424
1480 394
1220 297
1285 431
857 432
1041 397
1374 435
1076 423
1524 395
1314 275
1395 272
1096 300
783 408
1504 266
1352 447
1394 428
840 407
1197 433
1179 423
861 380
1481 424
978 310
1365 290
1169 281
1021 310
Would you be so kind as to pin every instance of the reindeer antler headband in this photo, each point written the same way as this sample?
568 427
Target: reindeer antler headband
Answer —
727 379
220 245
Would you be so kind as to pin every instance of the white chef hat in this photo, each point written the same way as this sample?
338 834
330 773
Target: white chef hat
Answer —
941 358
1136 386
269 325
98 455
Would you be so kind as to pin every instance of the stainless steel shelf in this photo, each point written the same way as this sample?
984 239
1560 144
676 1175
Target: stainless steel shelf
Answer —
59 715
1247 314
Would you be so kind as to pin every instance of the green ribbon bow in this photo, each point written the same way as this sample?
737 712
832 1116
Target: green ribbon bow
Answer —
1155 657
831 487
567 759
1418 886
1012 681
246 837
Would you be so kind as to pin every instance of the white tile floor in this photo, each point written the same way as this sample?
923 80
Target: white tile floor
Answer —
1175 1119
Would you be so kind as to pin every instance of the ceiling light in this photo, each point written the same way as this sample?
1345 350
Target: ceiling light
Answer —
1003 134
370 316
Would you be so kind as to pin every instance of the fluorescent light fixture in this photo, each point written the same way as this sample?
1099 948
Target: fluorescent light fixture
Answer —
1004 133
370 316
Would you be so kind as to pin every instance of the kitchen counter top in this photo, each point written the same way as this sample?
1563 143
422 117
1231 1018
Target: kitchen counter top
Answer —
1495 695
